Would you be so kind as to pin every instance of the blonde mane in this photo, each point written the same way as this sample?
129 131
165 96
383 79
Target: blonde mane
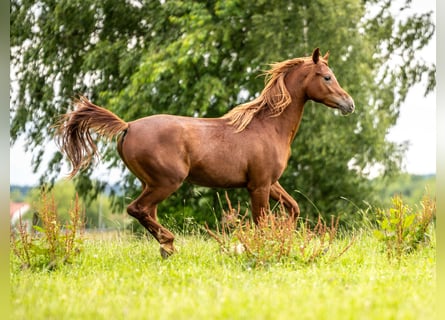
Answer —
274 98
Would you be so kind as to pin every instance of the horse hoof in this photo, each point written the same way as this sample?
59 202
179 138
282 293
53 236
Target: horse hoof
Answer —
166 252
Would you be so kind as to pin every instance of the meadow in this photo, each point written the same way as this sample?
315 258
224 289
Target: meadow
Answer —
123 277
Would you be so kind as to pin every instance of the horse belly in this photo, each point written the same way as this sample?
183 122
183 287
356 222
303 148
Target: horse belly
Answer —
222 173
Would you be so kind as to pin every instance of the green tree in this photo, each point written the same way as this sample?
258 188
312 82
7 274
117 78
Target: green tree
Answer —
200 58
412 188
16 195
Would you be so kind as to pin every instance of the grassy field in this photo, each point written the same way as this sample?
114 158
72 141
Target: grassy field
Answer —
125 278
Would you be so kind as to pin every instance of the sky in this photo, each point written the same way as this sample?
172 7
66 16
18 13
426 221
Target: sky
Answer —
416 125
417 120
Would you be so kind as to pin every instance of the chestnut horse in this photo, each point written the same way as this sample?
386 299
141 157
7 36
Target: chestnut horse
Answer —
248 147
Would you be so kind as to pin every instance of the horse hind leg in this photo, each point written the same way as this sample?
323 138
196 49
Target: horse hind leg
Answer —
278 193
144 209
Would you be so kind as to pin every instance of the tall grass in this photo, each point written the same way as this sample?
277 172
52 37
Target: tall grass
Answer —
278 237
50 244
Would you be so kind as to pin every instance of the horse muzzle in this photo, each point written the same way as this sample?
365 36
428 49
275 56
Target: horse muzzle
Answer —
346 106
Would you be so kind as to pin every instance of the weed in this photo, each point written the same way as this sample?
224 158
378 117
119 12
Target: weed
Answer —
50 244
22 246
277 237
403 229
319 240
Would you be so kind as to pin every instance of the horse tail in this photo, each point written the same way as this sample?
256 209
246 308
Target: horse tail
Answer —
74 136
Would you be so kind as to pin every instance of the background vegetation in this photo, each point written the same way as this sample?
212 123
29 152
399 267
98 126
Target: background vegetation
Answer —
200 58
100 214
410 187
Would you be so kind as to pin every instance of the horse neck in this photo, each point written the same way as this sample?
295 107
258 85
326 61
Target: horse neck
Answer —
288 122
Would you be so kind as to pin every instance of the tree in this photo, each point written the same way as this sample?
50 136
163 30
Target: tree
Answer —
200 58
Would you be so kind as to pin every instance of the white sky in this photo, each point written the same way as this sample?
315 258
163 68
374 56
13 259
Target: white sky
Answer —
417 120
416 124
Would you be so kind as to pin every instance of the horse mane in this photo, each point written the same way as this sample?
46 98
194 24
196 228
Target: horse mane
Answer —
274 98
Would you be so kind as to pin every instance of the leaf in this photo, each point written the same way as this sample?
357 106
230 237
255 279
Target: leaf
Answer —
408 221
378 234
38 229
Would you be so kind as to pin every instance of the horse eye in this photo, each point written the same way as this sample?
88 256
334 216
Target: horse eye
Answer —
327 78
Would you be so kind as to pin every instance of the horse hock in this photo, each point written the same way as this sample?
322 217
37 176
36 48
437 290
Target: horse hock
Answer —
159 232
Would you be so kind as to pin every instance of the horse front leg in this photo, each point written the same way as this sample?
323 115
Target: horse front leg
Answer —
278 193
259 198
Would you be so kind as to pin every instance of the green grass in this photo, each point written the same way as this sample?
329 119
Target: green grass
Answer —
125 278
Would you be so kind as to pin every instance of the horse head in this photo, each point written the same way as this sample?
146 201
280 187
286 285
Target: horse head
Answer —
322 86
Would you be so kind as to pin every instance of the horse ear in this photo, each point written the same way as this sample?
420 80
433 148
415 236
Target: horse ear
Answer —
316 55
326 56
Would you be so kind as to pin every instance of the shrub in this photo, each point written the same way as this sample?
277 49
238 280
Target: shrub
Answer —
50 244
402 228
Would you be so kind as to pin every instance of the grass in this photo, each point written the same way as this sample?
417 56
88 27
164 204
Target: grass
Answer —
286 270
121 277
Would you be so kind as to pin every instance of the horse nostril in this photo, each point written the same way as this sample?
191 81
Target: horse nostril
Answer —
350 104
347 107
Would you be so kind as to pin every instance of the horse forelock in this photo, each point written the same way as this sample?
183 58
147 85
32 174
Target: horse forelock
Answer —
274 98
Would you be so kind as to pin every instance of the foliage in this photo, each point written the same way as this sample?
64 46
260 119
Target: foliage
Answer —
196 58
277 238
52 244
18 193
62 192
403 229
409 186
